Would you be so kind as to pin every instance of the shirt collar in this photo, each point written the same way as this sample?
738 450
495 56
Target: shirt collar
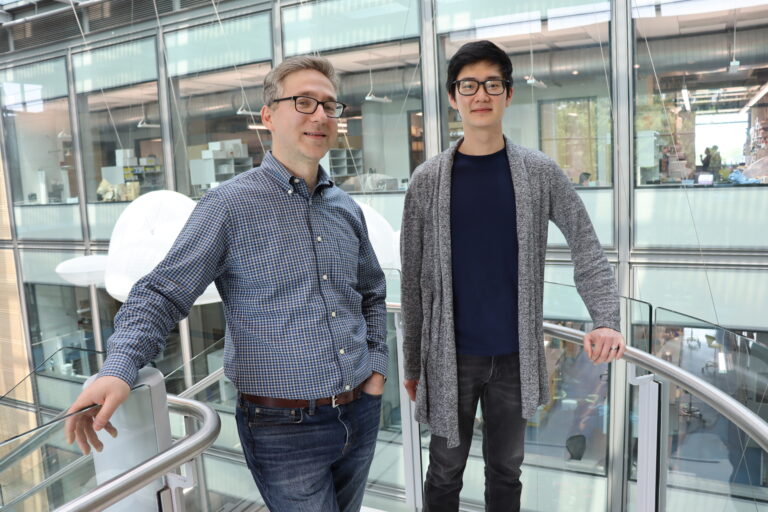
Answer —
277 171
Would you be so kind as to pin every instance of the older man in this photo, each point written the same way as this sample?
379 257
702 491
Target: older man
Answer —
303 296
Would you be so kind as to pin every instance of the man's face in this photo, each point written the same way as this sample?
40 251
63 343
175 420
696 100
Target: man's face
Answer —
301 137
481 110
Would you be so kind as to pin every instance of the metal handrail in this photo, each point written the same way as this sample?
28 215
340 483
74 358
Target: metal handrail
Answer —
752 424
182 451
741 416
137 477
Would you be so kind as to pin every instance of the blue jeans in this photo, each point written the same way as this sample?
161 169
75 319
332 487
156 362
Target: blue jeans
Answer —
314 459
495 382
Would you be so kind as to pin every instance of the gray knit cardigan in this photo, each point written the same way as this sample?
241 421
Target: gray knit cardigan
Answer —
542 193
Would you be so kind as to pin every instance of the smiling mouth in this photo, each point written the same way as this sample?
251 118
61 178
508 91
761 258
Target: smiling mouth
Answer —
315 134
481 110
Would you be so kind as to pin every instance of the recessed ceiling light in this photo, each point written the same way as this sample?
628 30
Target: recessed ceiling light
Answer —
575 72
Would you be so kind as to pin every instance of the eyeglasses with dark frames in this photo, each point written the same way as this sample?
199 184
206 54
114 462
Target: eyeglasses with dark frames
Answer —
308 105
469 86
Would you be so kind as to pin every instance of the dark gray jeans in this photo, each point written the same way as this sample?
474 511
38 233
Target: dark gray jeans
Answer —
495 381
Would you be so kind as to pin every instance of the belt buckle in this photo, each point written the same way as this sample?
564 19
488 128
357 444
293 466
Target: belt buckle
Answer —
334 405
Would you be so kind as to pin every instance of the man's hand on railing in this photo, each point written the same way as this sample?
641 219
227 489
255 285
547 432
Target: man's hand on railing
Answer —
410 387
604 345
108 392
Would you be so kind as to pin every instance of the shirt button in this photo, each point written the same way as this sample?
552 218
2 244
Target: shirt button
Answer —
347 387
295 180
290 191
333 314
319 239
325 277
341 351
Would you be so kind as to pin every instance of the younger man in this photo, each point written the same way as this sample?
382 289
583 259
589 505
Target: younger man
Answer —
474 240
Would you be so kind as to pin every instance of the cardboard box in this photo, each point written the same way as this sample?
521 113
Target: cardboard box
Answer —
148 161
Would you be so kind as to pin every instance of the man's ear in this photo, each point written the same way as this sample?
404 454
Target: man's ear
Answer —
452 101
509 96
266 117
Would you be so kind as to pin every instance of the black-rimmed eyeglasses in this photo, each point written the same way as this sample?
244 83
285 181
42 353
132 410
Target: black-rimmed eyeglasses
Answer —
307 105
469 86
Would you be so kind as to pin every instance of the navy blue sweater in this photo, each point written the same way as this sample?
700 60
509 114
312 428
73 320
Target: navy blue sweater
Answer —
484 255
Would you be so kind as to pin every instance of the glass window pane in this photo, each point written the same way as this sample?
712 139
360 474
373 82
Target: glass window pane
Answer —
60 320
561 105
206 328
219 46
166 361
117 107
38 144
701 125
381 134
216 94
332 24
217 128
738 295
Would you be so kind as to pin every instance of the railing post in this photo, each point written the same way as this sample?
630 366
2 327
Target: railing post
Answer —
651 425
144 430
411 436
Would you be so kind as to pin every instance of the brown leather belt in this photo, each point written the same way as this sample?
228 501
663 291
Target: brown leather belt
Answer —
335 401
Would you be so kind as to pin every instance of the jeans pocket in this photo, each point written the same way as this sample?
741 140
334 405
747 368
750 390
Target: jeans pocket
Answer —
270 416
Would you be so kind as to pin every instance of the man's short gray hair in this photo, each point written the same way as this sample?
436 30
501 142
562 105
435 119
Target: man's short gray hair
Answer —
273 82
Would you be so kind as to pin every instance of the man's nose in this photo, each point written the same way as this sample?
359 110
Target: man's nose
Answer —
319 114
481 93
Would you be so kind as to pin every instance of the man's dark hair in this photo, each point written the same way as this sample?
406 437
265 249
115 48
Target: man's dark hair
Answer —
478 51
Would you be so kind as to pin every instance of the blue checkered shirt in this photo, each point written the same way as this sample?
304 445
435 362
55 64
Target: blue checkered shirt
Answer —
303 293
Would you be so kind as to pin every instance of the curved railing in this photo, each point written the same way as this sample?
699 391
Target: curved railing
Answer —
182 451
723 403
647 349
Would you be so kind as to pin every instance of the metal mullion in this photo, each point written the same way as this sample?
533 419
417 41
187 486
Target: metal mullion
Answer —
277 33
412 469
430 79
74 123
165 112
186 351
621 89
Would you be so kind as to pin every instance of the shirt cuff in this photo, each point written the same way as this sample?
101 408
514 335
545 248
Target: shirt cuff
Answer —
120 366
379 363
